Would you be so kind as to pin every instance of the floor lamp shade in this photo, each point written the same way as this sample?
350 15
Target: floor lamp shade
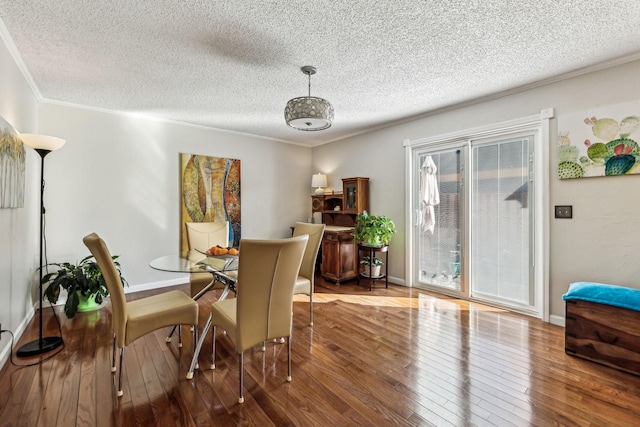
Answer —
42 142
43 145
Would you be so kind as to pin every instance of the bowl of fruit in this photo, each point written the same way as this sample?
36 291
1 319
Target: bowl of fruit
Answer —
221 250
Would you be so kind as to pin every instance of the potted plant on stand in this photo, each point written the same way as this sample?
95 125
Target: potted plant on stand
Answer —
372 233
83 282
373 230
371 268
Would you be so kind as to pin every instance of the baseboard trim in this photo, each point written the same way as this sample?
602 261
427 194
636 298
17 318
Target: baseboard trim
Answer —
156 285
4 353
557 320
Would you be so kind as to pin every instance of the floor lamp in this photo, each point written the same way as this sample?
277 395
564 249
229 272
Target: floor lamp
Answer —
43 145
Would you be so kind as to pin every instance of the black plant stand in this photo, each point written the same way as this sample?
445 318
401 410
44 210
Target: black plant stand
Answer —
370 252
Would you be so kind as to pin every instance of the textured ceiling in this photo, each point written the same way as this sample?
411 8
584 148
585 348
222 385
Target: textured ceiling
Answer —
233 64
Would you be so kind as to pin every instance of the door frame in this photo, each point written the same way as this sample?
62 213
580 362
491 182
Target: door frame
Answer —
539 125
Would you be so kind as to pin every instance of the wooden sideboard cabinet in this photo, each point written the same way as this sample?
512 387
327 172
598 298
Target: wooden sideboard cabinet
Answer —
339 257
339 212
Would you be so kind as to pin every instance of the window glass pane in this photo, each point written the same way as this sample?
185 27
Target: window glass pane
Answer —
439 236
500 222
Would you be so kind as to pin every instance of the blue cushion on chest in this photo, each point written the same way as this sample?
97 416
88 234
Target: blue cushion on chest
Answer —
617 296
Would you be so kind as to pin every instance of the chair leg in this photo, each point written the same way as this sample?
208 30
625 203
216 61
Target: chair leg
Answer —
120 392
289 358
179 336
113 357
196 353
168 338
241 368
311 308
194 336
213 349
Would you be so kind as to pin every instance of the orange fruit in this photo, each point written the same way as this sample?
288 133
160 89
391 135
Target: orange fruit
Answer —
233 251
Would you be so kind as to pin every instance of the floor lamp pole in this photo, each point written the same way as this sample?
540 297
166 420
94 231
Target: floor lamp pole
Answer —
42 344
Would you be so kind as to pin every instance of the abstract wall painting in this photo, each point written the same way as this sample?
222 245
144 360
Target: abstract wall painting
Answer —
12 167
601 141
210 191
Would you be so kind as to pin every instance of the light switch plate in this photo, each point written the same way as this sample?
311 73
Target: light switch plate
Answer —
565 211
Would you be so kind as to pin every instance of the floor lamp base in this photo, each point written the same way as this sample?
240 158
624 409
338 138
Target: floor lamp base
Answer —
36 347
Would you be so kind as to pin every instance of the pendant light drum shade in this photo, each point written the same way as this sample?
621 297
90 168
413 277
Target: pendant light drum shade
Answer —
308 113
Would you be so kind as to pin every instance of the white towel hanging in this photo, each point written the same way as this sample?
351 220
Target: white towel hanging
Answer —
429 192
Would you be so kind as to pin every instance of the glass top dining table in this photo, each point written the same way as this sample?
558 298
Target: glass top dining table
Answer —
222 269
195 262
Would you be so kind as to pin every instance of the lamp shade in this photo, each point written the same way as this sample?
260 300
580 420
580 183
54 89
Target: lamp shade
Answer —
308 112
319 180
42 142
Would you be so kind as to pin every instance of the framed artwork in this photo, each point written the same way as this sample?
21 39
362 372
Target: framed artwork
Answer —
12 167
601 141
210 191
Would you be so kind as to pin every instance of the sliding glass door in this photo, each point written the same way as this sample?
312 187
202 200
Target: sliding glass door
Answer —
439 234
500 257
473 220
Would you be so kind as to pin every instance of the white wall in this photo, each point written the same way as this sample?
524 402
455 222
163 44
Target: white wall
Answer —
18 227
118 175
600 243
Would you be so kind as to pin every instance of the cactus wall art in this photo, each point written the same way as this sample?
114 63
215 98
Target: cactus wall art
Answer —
600 142
12 167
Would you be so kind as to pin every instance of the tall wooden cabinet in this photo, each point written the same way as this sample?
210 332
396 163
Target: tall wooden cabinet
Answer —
339 212
339 254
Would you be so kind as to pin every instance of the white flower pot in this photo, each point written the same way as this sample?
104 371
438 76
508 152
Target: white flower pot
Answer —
375 270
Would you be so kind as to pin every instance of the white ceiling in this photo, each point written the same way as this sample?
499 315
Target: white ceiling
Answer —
233 64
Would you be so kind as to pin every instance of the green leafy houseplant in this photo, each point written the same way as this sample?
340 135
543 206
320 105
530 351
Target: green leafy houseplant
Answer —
79 280
376 261
373 230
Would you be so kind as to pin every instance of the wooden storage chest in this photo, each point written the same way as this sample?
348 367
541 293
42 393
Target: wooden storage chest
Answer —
603 333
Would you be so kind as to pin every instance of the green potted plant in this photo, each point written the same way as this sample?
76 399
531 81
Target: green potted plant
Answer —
373 230
375 263
83 282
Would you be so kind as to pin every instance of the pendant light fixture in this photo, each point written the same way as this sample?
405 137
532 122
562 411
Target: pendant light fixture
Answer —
308 112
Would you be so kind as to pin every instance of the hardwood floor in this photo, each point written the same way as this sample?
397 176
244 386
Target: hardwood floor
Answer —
394 356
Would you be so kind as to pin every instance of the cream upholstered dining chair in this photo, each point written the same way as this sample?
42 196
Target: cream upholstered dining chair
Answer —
131 320
201 236
305 280
262 309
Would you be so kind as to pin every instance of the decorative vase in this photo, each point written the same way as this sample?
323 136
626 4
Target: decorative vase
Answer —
87 303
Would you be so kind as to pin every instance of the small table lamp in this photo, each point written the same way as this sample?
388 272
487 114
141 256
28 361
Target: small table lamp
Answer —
319 180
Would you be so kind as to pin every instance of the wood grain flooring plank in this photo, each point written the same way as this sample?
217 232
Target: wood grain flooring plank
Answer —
60 394
34 405
13 378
